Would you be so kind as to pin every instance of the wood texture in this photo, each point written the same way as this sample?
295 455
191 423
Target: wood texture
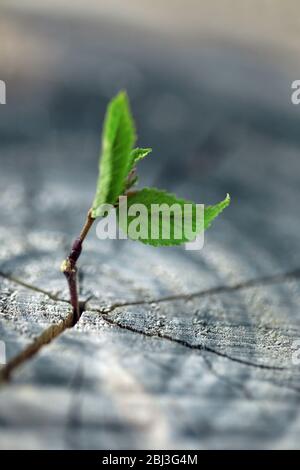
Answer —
174 349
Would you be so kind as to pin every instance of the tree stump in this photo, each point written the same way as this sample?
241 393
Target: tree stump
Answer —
174 349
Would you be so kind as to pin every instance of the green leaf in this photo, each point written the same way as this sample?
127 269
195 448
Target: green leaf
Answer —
211 212
118 139
177 235
138 154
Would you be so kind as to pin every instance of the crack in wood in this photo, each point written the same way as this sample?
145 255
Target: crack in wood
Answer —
54 331
235 385
263 281
198 347
46 337
73 421
21 283
240 386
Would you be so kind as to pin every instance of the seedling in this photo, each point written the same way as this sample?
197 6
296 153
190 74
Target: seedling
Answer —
117 176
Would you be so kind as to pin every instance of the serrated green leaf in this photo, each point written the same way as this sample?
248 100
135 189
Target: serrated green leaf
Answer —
138 154
118 139
211 212
149 196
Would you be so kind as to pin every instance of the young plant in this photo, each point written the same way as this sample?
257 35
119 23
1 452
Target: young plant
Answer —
117 175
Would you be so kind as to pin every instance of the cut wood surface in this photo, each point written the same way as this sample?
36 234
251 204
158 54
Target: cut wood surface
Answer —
174 349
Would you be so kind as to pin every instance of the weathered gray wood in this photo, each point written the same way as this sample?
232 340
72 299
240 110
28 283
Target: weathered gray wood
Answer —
174 349
99 386
28 319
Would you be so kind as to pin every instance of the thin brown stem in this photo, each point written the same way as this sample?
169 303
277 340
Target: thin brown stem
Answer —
86 228
69 267
71 277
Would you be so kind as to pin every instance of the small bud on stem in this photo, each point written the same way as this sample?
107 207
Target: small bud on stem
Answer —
68 266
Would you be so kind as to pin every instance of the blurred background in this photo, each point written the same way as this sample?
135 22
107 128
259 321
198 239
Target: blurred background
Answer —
210 88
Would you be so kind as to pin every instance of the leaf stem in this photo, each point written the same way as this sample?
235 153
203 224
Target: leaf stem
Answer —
88 223
69 267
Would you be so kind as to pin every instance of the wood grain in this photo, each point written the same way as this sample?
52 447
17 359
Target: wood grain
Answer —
174 349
